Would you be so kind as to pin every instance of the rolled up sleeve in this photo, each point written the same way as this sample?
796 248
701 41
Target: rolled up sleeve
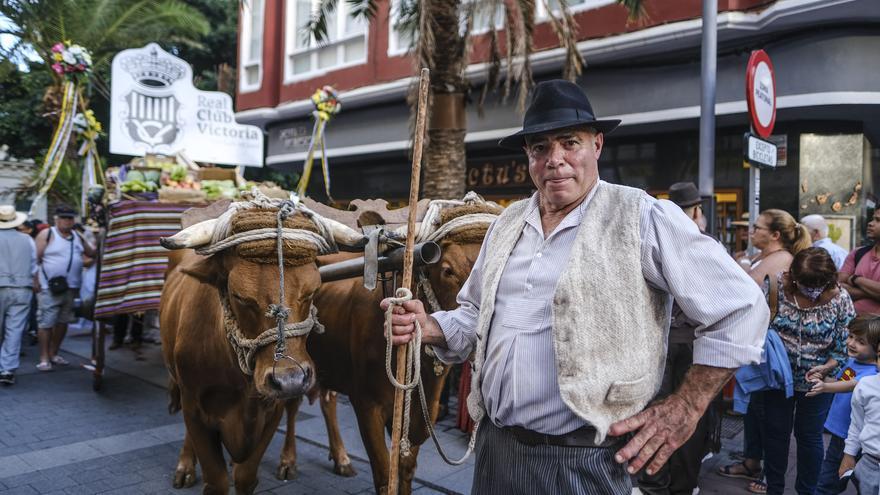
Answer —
460 325
708 285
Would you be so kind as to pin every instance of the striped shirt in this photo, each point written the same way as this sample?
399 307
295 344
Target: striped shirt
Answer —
519 382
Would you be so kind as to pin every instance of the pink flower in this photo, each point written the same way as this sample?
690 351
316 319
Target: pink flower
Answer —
58 47
80 67
57 68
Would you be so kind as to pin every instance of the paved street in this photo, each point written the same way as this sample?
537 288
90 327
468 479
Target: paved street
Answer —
58 436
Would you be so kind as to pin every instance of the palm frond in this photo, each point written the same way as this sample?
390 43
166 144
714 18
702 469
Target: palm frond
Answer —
635 9
565 28
363 9
317 25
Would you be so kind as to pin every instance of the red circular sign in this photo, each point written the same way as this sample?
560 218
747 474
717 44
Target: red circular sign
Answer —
761 93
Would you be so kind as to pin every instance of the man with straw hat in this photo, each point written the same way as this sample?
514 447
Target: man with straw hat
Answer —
566 315
18 264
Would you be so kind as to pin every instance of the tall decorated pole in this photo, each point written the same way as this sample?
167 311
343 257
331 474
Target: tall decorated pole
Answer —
412 348
74 64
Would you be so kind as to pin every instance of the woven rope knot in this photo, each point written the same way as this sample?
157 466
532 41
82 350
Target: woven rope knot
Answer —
286 209
278 312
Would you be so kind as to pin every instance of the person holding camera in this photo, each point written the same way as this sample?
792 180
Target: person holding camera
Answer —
60 252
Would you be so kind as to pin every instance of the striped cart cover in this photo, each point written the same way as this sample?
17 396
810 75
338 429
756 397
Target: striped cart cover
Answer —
133 263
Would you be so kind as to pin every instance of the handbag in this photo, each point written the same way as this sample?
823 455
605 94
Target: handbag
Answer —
58 285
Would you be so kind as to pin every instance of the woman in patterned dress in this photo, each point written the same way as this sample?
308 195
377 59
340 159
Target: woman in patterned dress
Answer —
812 320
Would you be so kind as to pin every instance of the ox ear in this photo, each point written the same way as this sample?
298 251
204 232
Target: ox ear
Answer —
206 269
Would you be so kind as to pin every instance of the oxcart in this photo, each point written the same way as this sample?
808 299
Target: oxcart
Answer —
131 266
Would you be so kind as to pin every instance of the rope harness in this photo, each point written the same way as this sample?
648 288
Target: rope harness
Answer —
246 348
428 230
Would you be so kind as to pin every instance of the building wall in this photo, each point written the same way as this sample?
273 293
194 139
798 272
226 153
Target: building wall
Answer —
381 67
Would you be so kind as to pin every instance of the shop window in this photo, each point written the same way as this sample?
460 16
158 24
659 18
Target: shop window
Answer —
345 45
251 73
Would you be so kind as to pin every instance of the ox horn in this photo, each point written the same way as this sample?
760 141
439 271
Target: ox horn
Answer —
345 236
191 237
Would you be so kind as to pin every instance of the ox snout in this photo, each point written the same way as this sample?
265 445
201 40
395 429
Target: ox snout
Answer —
290 382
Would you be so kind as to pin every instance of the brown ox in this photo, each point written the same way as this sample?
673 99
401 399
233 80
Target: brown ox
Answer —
350 356
228 400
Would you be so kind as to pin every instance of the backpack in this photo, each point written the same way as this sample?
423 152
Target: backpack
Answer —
860 253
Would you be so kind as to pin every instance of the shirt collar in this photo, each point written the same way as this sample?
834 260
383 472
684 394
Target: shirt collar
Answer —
573 219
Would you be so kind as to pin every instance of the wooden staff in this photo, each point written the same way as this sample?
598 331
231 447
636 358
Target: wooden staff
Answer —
418 142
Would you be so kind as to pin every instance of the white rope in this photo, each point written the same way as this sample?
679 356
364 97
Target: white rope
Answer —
413 375
457 223
428 230
245 348
220 238
268 233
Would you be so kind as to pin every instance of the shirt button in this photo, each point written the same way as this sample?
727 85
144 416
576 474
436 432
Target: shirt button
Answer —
538 255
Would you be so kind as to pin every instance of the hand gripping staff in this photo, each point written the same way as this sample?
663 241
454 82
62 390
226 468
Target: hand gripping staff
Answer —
408 376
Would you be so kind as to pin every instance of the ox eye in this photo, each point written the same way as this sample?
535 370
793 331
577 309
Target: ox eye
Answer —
447 272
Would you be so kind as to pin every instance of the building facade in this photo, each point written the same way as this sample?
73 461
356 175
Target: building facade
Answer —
646 73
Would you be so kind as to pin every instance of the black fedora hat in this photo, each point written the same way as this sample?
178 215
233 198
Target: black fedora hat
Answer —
557 104
684 194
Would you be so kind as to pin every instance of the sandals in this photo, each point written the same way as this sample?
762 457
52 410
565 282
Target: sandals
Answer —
757 486
44 366
60 361
744 472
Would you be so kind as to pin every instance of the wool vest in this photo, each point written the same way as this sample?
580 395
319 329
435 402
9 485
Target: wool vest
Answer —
609 326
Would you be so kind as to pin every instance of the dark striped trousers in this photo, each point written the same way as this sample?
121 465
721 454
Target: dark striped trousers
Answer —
506 467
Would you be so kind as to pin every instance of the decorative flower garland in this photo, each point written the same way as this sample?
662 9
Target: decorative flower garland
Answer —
70 59
74 64
327 106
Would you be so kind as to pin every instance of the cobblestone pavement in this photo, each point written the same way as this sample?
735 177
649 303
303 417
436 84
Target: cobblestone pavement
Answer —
57 436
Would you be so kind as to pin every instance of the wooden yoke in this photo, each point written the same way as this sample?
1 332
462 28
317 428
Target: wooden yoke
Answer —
418 143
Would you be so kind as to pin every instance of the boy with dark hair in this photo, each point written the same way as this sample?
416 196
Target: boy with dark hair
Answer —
861 346
863 436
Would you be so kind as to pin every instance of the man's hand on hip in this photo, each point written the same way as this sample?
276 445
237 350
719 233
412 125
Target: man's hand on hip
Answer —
403 323
666 425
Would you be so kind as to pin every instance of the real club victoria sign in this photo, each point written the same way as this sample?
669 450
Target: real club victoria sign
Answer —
156 109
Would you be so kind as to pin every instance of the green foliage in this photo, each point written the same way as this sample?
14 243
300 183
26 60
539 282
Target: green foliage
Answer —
104 27
214 57
22 124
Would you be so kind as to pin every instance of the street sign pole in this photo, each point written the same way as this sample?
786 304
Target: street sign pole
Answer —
754 203
708 62
758 153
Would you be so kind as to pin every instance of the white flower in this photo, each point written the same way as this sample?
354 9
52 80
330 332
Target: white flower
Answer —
75 50
87 58
68 57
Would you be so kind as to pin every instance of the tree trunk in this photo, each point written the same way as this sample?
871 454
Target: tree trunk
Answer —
443 169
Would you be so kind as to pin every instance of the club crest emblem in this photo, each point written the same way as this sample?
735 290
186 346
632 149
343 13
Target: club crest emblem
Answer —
152 111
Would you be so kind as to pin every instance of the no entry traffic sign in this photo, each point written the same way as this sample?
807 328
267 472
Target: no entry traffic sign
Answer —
761 93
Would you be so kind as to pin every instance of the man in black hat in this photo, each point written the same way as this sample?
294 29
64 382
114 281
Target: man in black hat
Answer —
566 315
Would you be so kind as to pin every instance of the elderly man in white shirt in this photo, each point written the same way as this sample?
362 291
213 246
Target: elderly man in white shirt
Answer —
566 315
818 227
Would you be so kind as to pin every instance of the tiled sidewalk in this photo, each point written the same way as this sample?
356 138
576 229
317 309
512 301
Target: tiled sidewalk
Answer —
58 436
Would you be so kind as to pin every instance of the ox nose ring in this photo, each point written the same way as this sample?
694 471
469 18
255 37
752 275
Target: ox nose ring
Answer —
307 374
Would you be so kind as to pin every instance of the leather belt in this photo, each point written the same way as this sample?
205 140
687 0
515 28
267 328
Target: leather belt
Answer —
582 437
873 457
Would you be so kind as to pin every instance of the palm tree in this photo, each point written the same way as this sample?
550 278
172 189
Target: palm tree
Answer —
104 27
440 30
